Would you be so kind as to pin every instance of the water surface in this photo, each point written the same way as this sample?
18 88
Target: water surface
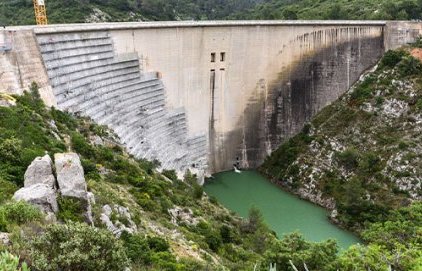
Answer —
283 212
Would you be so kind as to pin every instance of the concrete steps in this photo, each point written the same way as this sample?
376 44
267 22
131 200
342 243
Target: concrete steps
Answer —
87 77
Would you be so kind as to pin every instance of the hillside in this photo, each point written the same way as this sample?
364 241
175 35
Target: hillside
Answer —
20 12
361 156
146 220
334 10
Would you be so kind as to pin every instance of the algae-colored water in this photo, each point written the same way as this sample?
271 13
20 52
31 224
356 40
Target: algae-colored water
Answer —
283 212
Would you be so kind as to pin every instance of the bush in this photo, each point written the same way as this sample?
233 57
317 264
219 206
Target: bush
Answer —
17 213
198 191
7 190
171 174
349 159
9 262
149 251
71 209
317 256
81 146
409 66
363 90
137 248
64 119
392 58
254 221
370 163
77 246
158 244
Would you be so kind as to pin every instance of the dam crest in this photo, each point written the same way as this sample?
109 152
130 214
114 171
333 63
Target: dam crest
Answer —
202 96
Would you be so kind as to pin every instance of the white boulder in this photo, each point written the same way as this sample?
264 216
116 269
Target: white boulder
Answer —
70 175
40 171
41 195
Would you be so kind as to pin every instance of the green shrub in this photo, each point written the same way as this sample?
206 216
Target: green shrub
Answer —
7 190
226 234
213 240
293 247
148 251
254 222
213 200
65 119
391 58
158 244
10 150
137 248
278 163
90 170
32 100
349 159
419 104
171 174
409 66
363 90
360 257
77 246
9 262
198 191
81 145
370 163
71 209
17 213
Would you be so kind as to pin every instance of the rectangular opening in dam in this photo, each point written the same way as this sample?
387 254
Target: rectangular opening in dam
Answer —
222 56
212 57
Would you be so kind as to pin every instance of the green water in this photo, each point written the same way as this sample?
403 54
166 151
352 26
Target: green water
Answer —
283 212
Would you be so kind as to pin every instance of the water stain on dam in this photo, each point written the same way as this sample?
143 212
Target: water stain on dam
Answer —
279 109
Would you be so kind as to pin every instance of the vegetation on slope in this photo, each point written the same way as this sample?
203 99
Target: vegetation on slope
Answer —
334 10
20 12
361 156
218 239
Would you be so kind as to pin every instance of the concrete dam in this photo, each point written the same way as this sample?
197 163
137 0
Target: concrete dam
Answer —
198 95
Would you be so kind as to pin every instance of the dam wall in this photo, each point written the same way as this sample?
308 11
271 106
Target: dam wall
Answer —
199 95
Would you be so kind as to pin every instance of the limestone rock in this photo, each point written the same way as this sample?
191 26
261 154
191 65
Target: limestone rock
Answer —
71 181
40 195
96 140
4 238
123 220
184 215
70 175
40 171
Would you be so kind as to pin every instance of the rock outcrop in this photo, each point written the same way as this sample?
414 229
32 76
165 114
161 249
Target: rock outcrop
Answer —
4 238
40 195
39 186
70 175
182 215
40 171
117 219
71 180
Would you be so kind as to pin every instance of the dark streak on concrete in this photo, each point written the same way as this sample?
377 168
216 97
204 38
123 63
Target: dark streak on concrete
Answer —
299 92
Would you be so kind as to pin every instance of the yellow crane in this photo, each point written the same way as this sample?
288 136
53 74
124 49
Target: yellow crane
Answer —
40 12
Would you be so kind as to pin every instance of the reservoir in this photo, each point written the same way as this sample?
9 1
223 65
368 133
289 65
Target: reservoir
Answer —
282 212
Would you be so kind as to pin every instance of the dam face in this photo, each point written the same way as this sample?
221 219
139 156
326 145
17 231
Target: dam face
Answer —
198 95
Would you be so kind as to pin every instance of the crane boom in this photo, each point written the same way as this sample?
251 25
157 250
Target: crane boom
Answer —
40 12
